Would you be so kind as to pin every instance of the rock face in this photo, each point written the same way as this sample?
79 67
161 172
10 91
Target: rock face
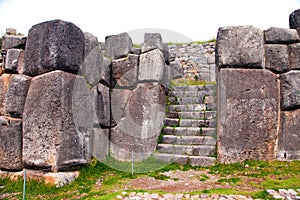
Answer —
16 95
140 125
152 66
240 46
290 92
294 56
247 115
100 143
11 41
125 71
295 19
90 42
288 143
118 46
10 143
101 106
4 82
53 45
277 59
14 61
281 36
56 121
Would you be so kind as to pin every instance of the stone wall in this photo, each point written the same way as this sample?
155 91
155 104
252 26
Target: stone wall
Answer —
197 60
258 93
62 101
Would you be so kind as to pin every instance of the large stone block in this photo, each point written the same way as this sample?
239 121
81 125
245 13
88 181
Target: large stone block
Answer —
14 61
91 68
118 46
90 42
101 106
53 45
12 41
10 143
294 56
281 36
142 120
100 143
152 66
248 108
119 100
57 121
289 136
240 46
125 71
277 58
154 41
105 77
16 95
176 69
290 91
295 19
4 82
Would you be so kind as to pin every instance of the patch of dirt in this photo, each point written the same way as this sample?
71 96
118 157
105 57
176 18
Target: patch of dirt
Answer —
191 180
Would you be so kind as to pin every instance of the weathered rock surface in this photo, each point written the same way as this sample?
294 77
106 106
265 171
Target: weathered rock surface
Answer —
152 66
91 68
152 41
53 45
290 91
4 82
118 46
14 61
289 137
141 123
176 69
125 71
295 19
240 46
247 115
281 36
105 77
90 42
294 56
11 41
119 100
57 121
277 58
16 95
101 106
10 143
100 143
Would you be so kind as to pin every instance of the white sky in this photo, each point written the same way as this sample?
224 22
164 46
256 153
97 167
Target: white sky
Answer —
194 19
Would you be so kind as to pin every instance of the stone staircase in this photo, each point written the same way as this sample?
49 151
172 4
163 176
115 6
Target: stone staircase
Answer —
189 134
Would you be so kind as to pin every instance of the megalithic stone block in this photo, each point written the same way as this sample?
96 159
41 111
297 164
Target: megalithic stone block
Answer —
290 91
57 122
289 136
140 124
10 143
240 46
16 95
14 61
118 46
248 107
4 82
12 41
90 42
295 19
53 45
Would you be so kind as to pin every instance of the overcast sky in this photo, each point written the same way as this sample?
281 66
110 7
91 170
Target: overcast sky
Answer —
191 19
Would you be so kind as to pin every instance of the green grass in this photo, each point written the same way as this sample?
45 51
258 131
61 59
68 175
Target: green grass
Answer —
259 175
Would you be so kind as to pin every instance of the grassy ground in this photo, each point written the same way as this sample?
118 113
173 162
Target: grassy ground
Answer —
98 181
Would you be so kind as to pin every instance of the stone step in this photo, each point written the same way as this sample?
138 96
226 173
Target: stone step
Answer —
195 87
210 123
193 115
193 93
171 122
189 100
188 140
204 161
191 150
186 108
190 131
